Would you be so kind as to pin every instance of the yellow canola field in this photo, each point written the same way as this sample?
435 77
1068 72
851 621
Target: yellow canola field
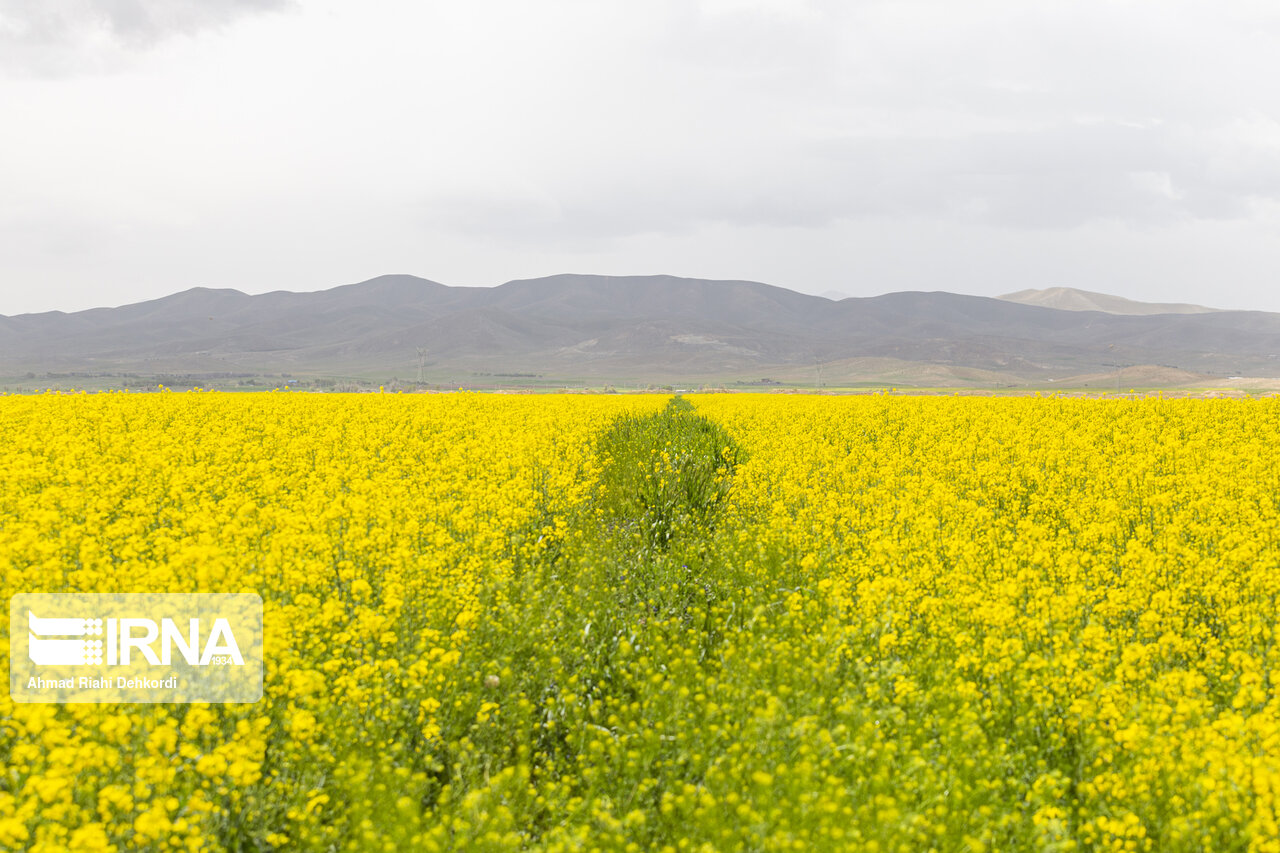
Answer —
1062 612
948 624
365 522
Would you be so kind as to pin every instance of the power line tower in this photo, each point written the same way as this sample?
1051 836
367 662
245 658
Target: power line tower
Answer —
422 362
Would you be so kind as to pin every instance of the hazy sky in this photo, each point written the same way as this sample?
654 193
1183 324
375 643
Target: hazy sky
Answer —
149 146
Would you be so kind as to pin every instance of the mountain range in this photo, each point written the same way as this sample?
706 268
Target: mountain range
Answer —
637 330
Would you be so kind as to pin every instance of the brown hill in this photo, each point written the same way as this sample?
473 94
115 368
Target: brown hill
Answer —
1071 299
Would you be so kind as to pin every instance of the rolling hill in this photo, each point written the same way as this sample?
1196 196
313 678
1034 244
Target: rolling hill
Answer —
629 330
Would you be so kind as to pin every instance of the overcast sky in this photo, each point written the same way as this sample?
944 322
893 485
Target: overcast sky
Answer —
149 146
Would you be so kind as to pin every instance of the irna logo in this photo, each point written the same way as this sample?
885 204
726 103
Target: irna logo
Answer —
57 642
151 647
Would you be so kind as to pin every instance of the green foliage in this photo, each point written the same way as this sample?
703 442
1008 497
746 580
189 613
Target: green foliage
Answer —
632 586
666 474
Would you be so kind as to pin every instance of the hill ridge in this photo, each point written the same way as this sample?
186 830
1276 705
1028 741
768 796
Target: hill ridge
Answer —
627 328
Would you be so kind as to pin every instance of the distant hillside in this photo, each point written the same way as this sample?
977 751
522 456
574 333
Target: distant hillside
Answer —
1071 299
635 329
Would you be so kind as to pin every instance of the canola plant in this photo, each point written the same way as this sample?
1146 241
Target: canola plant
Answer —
724 622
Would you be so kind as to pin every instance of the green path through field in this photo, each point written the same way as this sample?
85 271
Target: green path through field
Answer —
661 676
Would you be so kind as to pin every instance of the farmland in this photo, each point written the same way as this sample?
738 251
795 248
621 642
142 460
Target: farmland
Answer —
632 623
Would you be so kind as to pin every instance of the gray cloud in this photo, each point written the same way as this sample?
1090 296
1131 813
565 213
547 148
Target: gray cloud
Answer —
800 114
1056 177
61 37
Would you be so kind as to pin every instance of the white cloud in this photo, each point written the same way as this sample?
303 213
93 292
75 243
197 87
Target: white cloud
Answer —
481 141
